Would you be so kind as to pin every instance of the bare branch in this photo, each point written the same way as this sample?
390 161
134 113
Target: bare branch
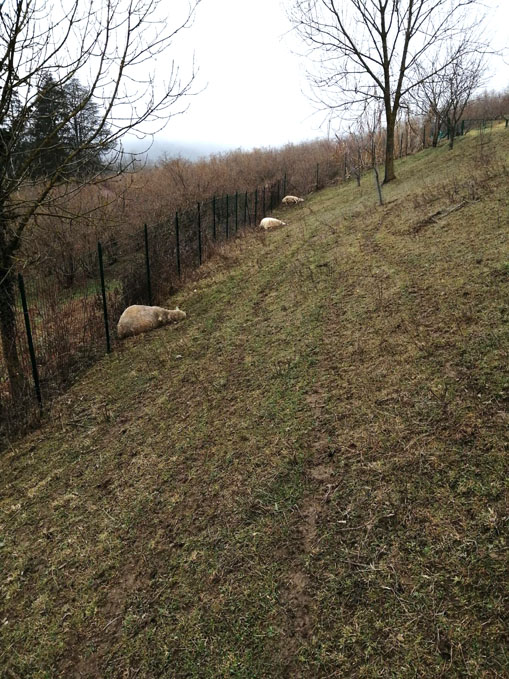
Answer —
375 50
108 52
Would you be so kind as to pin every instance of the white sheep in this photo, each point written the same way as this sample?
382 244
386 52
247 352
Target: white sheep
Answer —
139 318
292 200
271 223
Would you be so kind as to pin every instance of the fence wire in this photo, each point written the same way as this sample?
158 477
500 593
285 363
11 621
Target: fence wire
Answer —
66 304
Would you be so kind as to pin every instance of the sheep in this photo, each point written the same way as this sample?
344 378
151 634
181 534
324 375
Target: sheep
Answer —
292 200
138 318
271 223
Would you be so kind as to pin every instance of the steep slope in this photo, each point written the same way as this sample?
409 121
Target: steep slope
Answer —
305 479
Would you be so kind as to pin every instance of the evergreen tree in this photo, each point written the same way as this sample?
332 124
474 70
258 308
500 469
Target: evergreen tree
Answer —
65 121
45 142
83 125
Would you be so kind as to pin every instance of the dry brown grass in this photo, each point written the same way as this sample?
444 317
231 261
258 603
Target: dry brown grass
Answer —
307 478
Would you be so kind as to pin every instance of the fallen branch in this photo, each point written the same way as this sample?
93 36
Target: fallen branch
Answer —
439 214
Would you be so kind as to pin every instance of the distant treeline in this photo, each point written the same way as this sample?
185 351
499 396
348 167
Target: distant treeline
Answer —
122 204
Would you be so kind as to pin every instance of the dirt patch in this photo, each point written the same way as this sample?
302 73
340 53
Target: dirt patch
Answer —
81 666
300 602
299 610
298 597
323 472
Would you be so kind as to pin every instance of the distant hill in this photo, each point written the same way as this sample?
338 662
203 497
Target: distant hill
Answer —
158 148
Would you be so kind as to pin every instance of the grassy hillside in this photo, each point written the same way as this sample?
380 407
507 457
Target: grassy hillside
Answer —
307 478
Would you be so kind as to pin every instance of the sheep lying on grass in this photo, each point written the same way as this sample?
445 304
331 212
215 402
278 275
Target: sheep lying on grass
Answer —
271 223
138 318
292 200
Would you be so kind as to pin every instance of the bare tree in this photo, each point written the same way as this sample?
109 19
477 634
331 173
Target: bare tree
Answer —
444 97
112 50
431 101
353 147
360 43
461 80
362 148
369 126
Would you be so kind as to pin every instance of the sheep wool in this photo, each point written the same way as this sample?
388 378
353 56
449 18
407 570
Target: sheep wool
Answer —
139 318
271 223
292 200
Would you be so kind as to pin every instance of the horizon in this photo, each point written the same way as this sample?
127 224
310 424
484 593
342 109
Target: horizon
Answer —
160 145
251 87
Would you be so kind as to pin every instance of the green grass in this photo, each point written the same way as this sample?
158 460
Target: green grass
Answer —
307 478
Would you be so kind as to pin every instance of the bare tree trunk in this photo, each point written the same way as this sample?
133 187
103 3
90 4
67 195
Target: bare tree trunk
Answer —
8 332
436 132
8 313
378 185
452 136
389 150
375 170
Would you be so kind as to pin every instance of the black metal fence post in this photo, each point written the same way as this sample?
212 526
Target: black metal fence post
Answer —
278 192
147 266
105 303
177 243
263 202
256 207
317 174
199 235
284 185
35 372
236 211
245 209
214 233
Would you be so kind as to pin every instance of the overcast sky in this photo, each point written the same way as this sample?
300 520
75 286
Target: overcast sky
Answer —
253 82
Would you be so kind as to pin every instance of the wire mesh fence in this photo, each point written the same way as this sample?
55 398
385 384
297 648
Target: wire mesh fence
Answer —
71 315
